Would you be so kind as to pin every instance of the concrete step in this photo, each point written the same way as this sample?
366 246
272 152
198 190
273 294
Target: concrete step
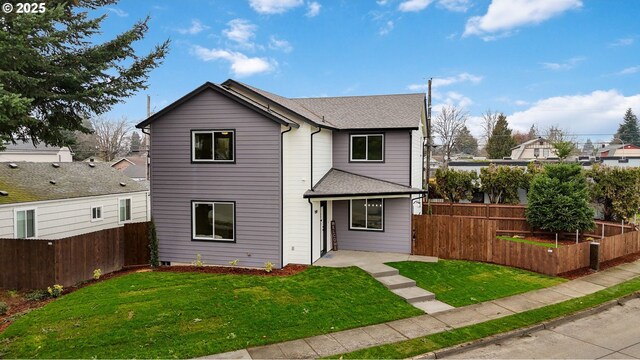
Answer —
414 294
432 306
396 282
378 270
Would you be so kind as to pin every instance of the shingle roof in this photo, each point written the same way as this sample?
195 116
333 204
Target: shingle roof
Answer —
339 183
368 112
28 146
31 181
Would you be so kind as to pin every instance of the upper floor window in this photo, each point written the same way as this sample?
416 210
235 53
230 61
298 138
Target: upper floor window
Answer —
212 145
367 147
25 223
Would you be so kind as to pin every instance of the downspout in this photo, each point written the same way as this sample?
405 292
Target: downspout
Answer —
282 195
309 200
147 165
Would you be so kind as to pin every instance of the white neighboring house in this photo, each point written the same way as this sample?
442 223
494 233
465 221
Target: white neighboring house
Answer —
58 200
534 149
25 151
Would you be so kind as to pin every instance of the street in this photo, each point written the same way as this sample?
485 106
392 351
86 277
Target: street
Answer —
612 334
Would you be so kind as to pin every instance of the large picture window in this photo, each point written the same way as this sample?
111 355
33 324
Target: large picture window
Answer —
212 145
213 220
367 214
25 223
367 147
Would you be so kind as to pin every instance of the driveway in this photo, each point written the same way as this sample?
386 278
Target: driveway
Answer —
612 334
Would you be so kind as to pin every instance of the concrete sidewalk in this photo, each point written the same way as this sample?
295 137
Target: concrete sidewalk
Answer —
399 330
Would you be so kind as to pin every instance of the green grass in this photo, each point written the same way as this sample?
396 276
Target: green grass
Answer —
460 283
425 344
537 243
184 315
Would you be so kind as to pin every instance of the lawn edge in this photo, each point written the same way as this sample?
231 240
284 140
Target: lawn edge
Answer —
547 324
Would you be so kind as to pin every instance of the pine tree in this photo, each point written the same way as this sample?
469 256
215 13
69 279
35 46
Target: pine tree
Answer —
465 142
53 73
628 131
134 147
500 143
588 148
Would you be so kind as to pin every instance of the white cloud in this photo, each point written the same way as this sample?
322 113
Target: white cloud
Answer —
279 44
118 12
414 5
382 2
274 6
195 28
567 65
440 82
630 70
386 28
505 15
455 5
599 112
313 9
241 31
241 65
622 42
521 103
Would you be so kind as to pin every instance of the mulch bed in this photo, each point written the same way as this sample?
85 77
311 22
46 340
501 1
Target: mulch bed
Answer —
571 275
286 271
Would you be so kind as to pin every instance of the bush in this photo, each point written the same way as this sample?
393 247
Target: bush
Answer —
559 200
198 262
97 273
501 183
268 266
616 189
4 308
37 295
154 258
456 185
56 291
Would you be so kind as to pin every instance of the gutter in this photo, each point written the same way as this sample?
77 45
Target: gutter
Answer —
282 195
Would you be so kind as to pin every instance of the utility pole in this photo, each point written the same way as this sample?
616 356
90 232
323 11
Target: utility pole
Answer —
429 143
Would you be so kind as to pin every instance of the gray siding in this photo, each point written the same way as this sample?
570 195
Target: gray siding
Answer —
396 236
397 159
253 182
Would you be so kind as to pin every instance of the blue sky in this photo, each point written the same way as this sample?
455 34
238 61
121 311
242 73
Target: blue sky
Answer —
571 63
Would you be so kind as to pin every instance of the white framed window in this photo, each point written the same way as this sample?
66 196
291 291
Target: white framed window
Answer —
213 146
96 213
366 214
213 220
366 147
124 210
25 223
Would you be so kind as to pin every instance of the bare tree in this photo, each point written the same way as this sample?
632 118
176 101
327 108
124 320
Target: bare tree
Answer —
489 119
447 125
111 136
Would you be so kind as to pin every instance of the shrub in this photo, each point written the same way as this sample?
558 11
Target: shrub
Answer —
616 189
268 266
198 262
234 262
455 185
56 291
154 259
501 183
97 273
37 295
3 307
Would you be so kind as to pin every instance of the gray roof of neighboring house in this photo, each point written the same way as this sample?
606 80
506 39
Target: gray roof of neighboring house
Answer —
137 168
31 181
339 183
28 146
369 112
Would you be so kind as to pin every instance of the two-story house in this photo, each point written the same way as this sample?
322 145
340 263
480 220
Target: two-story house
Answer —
241 173
534 149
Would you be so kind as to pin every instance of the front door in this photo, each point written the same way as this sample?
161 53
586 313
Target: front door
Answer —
323 228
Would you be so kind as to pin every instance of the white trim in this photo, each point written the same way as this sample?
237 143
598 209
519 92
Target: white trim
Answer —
213 146
213 220
101 212
35 222
366 215
130 209
366 159
335 198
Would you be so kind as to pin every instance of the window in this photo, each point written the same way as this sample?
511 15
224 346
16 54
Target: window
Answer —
367 214
212 145
96 213
25 223
124 210
367 147
213 220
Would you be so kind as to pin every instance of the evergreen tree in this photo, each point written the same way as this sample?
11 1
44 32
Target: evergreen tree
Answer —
500 143
628 131
465 142
135 146
588 148
53 73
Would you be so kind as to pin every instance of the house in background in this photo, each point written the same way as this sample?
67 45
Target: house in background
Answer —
134 166
26 151
534 149
618 150
57 200
241 173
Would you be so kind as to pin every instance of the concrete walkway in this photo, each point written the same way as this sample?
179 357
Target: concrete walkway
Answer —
399 330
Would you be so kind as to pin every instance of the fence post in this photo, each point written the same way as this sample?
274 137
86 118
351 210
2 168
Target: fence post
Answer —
594 256
623 226
602 236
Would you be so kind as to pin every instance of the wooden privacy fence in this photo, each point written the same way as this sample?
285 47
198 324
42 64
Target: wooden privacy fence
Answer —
469 238
36 264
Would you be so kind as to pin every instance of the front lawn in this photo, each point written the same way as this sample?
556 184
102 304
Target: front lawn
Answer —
459 283
183 315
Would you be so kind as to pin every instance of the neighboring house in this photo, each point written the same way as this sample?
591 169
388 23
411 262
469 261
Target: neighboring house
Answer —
626 161
241 173
26 151
134 166
57 200
618 150
534 149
